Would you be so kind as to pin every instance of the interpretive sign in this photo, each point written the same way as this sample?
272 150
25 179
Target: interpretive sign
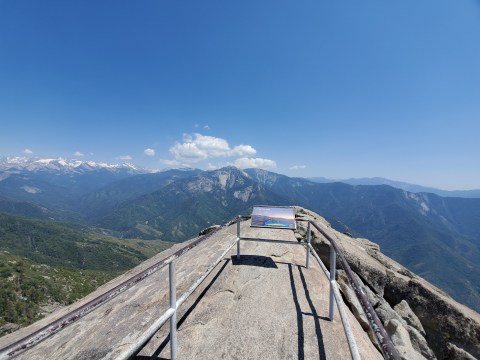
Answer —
280 217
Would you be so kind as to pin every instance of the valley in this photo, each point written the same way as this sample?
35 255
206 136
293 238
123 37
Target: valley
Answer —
94 227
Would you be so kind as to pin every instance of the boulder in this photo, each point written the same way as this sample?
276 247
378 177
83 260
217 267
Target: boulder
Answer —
456 353
443 320
401 340
386 313
8 328
419 343
404 310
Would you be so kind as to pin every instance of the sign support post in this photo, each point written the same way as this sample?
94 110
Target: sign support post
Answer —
238 237
308 245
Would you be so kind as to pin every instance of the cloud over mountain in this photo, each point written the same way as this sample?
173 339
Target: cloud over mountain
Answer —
257 163
201 147
243 150
196 148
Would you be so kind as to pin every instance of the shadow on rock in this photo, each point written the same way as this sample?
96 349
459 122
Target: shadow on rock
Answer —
255 260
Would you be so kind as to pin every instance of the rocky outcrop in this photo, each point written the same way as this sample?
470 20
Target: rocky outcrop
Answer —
403 309
264 305
8 328
268 303
401 339
423 321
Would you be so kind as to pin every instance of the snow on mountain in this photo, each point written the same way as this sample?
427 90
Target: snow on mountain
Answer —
16 164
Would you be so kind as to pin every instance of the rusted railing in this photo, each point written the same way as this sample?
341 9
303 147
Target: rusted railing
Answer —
388 349
386 345
36 337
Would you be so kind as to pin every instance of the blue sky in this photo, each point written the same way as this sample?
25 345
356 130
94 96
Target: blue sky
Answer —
337 89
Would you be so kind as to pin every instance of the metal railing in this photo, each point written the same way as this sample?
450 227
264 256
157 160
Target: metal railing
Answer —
54 327
388 349
384 341
171 313
334 292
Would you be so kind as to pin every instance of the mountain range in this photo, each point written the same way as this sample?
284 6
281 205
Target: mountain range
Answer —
475 193
436 237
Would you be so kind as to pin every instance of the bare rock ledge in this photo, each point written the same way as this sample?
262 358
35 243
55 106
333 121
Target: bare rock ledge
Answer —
266 305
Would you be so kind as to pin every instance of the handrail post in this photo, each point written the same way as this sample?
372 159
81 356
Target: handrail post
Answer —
238 237
173 305
333 266
308 245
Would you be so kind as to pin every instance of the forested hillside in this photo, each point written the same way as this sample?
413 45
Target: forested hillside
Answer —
44 263
436 237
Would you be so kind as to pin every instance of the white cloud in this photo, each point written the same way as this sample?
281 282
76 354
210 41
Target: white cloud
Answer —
78 154
213 146
243 150
125 157
244 163
199 147
297 167
27 151
206 127
188 152
149 152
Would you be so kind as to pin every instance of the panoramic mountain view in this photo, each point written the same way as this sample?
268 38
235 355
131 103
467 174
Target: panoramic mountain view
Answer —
129 130
436 237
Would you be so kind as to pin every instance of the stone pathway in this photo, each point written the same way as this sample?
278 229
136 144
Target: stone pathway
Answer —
267 305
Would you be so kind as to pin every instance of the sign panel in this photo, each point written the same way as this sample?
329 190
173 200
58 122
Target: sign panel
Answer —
279 217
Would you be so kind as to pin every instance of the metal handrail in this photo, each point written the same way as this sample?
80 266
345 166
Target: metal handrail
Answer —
386 345
52 328
335 296
171 313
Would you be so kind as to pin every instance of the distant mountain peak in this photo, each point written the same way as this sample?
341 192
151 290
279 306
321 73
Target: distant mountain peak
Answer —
231 169
61 164
377 181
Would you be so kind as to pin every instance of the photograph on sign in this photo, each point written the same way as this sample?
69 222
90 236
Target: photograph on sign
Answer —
281 217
